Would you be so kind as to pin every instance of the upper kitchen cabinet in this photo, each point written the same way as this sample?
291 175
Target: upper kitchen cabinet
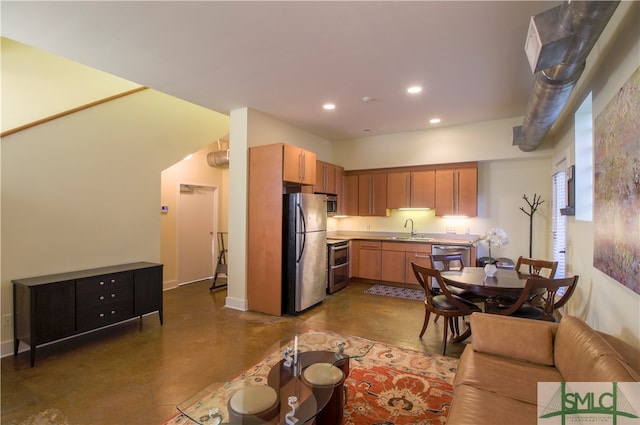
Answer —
415 189
372 194
326 178
350 198
340 190
457 190
299 165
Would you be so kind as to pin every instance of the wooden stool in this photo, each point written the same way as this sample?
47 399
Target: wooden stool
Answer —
253 405
322 377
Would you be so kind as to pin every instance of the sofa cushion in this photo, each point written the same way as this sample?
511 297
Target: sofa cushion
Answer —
522 339
629 356
501 375
474 406
582 355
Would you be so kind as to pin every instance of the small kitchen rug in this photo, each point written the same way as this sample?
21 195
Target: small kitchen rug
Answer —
396 292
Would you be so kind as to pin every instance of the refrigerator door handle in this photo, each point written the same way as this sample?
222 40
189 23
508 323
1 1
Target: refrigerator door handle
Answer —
304 232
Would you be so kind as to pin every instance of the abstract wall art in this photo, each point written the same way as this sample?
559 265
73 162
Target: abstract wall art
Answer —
616 206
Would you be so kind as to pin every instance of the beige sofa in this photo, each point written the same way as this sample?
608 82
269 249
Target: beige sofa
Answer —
496 381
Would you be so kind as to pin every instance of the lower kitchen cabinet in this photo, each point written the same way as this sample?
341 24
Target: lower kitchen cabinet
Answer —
399 256
389 261
420 258
52 307
368 260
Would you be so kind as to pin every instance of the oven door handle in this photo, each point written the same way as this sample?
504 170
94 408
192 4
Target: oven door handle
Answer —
338 266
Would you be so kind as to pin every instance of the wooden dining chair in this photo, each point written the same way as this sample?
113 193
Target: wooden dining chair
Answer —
453 261
550 302
536 267
442 303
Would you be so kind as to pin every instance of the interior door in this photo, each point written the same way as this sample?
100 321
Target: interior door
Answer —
197 228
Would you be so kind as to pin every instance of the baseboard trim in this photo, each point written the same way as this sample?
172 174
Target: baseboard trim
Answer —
236 303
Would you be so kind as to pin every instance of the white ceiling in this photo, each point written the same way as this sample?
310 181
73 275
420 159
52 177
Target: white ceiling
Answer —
288 58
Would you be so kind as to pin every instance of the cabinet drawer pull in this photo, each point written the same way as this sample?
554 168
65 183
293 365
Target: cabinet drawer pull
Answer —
102 282
113 281
101 297
101 314
113 312
113 295
421 256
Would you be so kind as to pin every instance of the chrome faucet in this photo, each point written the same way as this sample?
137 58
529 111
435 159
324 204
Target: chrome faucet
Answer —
405 226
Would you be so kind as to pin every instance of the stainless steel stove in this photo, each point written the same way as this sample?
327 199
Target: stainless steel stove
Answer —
337 264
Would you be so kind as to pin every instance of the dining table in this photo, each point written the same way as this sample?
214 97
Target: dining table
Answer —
505 284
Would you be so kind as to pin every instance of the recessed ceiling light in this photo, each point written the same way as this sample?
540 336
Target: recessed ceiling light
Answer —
414 89
329 106
434 120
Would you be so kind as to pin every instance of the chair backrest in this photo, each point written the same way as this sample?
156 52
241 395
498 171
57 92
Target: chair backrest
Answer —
426 276
536 266
536 285
443 262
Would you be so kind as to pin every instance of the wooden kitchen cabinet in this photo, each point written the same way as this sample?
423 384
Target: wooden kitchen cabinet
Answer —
350 195
273 170
420 258
372 194
368 260
298 165
52 307
393 262
397 258
457 191
411 189
340 190
326 178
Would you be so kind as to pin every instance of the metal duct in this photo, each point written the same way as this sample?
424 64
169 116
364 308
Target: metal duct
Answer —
553 85
218 158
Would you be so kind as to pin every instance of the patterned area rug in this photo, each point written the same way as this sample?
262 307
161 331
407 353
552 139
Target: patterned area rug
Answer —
388 386
396 292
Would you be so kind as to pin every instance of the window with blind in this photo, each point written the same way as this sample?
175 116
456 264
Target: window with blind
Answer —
559 222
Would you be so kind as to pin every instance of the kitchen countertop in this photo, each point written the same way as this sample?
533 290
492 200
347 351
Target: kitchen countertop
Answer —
430 238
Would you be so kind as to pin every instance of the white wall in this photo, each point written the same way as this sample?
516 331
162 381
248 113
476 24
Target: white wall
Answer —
254 128
603 302
490 140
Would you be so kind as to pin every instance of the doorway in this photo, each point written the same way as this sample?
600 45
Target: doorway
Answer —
197 227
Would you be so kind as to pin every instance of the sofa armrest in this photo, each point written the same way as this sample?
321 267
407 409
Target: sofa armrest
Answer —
514 337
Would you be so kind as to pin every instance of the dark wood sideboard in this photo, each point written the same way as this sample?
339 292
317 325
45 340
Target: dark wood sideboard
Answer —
52 307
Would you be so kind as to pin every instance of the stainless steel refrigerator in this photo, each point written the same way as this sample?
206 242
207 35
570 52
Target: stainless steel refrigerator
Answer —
304 251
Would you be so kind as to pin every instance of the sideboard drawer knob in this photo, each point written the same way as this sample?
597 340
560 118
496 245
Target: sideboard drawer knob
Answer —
101 297
101 314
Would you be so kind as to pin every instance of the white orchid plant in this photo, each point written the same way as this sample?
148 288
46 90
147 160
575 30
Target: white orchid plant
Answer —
495 236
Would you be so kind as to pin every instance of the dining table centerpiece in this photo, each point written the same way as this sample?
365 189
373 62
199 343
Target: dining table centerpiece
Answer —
498 238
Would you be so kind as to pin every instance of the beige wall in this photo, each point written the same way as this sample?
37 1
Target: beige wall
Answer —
84 190
54 85
604 303
195 171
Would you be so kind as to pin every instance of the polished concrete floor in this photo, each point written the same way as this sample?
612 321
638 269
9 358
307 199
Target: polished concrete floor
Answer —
126 375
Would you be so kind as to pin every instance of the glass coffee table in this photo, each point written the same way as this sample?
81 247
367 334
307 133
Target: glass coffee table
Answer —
301 379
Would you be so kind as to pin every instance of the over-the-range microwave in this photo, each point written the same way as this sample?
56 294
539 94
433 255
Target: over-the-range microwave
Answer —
332 205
